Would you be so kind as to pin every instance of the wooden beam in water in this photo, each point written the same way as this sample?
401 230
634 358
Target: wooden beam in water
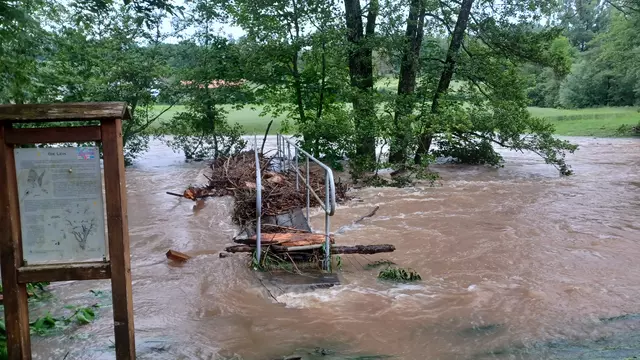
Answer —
362 249
288 239
357 249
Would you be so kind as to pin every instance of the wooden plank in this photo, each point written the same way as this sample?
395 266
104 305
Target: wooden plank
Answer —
305 242
118 231
16 308
64 112
177 256
53 135
64 272
281 238
357 249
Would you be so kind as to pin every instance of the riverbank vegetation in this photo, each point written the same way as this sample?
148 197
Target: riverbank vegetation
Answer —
599 121
44 322
343 76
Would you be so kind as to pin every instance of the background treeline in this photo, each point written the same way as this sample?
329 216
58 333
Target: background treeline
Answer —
603 44
416 78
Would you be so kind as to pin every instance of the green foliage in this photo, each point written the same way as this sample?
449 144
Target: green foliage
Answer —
474 152
46 324
37 290
586 86
583 20
212 78
103 52
545 81
271 262
379 263
296 60
24 42
628 129
495 109
399 274
338 260
609 73
294 52
203 135
80 315
329 138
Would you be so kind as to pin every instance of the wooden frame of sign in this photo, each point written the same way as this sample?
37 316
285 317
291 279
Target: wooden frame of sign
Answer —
15 272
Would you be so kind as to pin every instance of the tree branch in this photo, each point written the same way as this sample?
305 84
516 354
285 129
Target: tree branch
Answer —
475 83
435 59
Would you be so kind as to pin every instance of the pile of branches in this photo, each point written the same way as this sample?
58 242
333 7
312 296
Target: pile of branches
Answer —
236 176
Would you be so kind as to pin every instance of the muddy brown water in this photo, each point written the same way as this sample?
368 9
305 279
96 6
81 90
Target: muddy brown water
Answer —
509 257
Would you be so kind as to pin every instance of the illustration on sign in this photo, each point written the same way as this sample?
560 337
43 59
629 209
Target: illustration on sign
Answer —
61 204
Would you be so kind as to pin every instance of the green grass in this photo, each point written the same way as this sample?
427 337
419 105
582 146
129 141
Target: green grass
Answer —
583 113
600 122
249 117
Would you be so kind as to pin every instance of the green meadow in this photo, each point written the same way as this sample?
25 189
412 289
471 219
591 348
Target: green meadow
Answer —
599 122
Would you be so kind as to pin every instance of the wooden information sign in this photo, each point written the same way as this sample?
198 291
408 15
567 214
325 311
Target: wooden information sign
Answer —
52 212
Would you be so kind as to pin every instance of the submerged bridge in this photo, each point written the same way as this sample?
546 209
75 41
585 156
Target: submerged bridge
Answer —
288 158
280 238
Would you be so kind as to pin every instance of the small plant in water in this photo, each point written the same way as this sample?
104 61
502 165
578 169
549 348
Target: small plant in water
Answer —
378 263
399 274
271 262
338 259
43 325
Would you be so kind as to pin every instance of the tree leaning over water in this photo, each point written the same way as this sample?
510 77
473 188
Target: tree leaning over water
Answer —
466 70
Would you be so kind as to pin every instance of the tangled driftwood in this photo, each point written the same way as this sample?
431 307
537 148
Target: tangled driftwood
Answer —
236 176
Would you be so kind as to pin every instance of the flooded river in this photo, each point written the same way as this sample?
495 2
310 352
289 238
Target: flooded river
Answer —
516 262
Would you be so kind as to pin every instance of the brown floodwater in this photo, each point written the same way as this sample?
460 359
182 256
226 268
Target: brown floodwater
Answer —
510 258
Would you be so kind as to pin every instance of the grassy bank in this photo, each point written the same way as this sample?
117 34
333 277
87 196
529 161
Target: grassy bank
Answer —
249 117
600 122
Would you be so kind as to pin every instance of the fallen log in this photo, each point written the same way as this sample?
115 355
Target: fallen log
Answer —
239 248
362 249
357 249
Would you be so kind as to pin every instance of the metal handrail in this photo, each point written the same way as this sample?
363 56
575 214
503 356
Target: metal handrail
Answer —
328 171
329 206
258 202
330 186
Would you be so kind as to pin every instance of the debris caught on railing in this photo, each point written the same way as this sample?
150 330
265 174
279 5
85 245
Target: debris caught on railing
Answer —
335 249
286 187
236 176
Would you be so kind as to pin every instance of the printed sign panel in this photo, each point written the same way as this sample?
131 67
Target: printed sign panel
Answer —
61 204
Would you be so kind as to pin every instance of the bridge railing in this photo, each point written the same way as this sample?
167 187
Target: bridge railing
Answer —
289 155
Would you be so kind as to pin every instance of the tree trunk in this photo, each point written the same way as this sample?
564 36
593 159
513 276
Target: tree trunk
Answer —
424 143
407 82
361 75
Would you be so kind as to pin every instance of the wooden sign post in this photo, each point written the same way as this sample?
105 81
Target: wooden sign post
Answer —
52 214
